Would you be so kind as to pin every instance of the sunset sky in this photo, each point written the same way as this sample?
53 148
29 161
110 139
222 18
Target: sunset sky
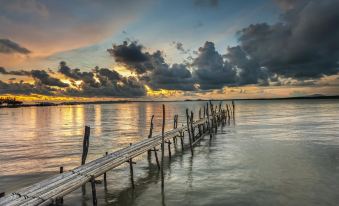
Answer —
174 49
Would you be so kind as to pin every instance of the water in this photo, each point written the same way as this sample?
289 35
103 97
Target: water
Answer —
278 153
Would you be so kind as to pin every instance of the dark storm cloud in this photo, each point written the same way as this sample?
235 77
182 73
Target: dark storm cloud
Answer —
24 88
101 82
152 68
7 46
17 73
211 71
175 77
303 46
132 56
127 87
42 77
249 71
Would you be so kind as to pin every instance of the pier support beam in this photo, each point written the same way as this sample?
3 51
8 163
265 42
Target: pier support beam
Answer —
94 192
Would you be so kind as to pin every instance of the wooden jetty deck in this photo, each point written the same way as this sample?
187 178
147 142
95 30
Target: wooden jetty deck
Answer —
53 189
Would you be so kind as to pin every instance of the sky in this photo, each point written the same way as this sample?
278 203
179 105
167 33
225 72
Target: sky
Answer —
168 49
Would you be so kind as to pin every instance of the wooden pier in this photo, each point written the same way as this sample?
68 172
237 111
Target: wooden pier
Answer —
54 189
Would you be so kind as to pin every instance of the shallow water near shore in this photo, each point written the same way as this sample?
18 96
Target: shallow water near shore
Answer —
278 152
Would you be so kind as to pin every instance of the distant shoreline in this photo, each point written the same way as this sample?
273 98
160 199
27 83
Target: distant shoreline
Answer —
48 104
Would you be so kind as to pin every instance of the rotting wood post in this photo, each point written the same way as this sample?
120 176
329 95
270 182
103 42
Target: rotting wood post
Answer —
85 145
2 194
94 192
188 131
162 147
131 169
105 176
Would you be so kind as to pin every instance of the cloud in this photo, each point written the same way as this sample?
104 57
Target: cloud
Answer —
8 47
42 77
25 88
211 71
16 72
152 68
131 55
180 47
249 71
101 82
303 46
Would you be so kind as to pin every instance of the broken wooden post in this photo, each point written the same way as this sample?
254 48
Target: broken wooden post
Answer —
162 147
2 194
131 170
188 131
94 192
85 145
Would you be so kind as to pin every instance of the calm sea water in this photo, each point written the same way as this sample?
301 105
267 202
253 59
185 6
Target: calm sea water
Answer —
277 153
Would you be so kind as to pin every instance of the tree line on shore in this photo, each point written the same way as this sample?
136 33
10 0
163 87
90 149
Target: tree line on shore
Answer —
9 101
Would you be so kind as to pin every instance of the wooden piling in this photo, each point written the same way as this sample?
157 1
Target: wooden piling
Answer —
2 194
188 131
94 192
208 121
131 170
169 149
60 200
105 176
85 145
162 147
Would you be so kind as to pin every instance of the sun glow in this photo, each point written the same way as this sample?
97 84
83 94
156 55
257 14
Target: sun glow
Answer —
160 92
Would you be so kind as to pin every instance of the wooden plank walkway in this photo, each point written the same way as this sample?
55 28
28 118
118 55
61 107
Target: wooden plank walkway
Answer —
56 187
